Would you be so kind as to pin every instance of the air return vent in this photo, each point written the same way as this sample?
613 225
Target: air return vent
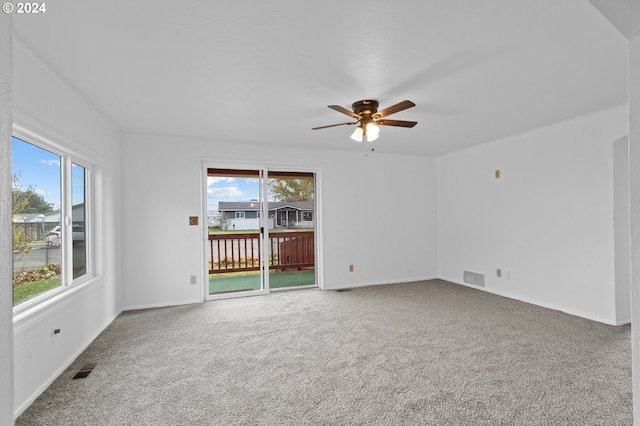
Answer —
468 277
473 278
84 371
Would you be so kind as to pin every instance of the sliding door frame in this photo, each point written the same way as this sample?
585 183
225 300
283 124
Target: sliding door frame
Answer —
264 168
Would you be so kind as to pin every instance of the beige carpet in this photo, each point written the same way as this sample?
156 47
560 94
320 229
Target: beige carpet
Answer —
431 353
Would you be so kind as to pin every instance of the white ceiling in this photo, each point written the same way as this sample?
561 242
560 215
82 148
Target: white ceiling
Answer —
264 71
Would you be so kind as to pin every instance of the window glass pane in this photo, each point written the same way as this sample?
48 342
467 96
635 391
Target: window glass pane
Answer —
78 196
37 234
291 229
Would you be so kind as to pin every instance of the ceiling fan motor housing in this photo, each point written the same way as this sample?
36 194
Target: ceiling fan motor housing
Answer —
365 108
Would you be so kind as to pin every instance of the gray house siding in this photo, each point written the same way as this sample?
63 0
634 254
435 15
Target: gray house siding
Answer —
281 214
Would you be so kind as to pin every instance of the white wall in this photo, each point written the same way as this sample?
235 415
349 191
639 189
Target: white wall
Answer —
362 203
45 104
548 219
621 229
634 206
6 309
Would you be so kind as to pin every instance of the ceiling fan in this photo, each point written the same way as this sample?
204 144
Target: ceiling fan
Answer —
367 115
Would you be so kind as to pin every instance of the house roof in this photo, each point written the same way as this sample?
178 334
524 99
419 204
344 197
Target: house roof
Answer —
273 205
477 70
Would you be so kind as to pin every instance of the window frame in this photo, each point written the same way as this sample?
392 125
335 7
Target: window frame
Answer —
240 215
68 157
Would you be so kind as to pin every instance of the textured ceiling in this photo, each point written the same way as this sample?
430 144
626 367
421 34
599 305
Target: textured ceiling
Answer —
264 71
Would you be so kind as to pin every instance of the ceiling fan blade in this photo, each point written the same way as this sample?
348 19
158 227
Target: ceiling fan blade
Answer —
395 108
334 125
345 111
397 123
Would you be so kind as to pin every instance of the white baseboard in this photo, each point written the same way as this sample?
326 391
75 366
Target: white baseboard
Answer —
161 305
368 284
536 303
623 322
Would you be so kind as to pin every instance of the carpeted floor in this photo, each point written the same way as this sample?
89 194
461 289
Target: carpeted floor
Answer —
426 353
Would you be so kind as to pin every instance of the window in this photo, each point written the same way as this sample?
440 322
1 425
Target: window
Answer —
239 215
307 216
50 220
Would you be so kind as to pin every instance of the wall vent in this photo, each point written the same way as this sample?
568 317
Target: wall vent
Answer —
468 277
84 371
473 278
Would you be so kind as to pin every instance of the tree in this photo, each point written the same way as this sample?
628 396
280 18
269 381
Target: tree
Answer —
287 189
26 200
20 198
37 204
223 221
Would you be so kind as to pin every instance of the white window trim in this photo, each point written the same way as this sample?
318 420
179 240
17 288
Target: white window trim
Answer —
68 284
240 215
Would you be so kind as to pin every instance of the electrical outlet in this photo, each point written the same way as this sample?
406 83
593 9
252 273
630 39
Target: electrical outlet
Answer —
55 332
350 268
193 280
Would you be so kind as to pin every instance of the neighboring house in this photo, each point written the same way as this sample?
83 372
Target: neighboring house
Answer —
77 215
39 224
241 215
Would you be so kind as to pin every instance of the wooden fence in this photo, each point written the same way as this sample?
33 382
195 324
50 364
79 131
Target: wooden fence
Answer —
241 252
34 230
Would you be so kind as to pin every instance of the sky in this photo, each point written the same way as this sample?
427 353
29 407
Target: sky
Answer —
41 169
230 189
227 188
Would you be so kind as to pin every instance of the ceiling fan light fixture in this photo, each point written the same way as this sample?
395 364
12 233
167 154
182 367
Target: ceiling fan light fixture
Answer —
357 134
372 132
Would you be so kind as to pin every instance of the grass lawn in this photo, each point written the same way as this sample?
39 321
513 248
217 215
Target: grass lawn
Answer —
243 281
34 288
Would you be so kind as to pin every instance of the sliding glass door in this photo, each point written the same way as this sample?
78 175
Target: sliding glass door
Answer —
261 230
235 223
292 215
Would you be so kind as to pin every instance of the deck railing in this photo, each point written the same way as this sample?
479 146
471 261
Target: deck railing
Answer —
241 252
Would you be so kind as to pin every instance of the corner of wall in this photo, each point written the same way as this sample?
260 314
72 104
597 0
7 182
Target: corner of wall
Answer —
6 251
